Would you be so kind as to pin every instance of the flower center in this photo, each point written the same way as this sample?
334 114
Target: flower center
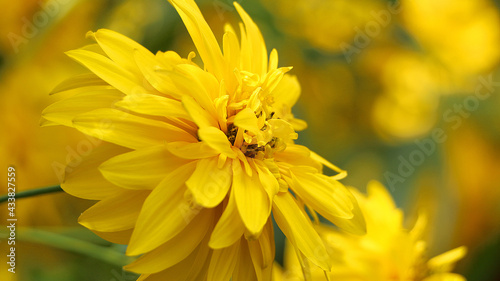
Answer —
255 150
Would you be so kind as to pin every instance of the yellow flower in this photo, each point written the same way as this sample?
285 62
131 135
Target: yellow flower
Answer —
387 252
197 158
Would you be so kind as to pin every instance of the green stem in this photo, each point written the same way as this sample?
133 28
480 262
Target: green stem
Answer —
63 242
33 192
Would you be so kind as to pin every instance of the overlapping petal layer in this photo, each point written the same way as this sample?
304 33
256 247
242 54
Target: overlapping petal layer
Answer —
200 157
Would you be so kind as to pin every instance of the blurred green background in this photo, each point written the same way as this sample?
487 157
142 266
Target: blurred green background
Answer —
404 92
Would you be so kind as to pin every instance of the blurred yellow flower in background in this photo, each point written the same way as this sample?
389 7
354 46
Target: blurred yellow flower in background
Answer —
325 24
387 252
462 34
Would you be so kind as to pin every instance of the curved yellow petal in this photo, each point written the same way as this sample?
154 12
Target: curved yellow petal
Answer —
247 120
243 270
199 116
176 249
189 269
255 47
117 237
217 140
262 252
116 213
111 72
251 199
209 184
202 35
165 213
229 228
154 105
88 81
299 230
223 263
81 176
119 48
188 150
142 168
63 111
115 126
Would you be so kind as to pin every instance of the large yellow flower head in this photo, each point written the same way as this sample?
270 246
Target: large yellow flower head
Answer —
388 251
194 158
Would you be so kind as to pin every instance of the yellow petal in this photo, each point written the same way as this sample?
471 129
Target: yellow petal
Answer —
209 184
243 270
251 199
299 230
165 213
263 249
262 252
81 176
256 48
297 155
342 174
188 150
117 237
267 179
190 269
247 120
119 48
232 56
229 228
176 249
445 277
446 261
223 262
86 80
202 35
287 92
217 140
199 116
116 213
141 169
154 105
111 72
282 129
63 111
329 198
128 130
